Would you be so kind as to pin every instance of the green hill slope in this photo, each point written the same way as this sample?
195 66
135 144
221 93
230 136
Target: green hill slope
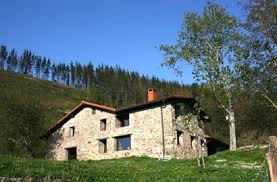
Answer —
255 119
55 99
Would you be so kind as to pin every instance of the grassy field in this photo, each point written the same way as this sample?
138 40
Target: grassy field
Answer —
225 166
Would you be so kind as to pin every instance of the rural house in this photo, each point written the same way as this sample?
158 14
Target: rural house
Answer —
154 129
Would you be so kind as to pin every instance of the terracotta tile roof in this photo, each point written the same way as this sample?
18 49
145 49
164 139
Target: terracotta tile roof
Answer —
131 108
155 102
99 106
76 109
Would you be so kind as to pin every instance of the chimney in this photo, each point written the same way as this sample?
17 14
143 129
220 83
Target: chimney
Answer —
152 94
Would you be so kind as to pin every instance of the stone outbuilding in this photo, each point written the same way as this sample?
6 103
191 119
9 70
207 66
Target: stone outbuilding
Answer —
163 128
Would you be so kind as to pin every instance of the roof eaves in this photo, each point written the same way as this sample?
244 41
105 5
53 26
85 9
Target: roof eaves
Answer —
155 102
64 119
99 106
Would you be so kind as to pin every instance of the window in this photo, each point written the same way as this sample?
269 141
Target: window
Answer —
103 124
93 111
72 153
179 137
123 143
103 146
72 131
122 121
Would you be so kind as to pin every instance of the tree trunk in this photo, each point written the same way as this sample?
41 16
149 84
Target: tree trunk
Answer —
272 158
233 139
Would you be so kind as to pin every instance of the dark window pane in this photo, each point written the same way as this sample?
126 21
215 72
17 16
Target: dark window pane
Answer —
103 124
123 120
123 143
72 131
103 146
126 122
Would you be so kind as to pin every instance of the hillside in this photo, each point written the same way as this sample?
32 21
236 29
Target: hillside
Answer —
54 98
237 166
29 105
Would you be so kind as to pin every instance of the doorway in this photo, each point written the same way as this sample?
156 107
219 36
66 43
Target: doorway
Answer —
72 153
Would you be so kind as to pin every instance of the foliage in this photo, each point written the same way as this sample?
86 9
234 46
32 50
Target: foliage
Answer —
210 42
258 70
22 124
239 166
3 56
28 107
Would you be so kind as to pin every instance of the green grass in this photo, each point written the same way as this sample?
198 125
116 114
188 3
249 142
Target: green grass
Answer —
225 166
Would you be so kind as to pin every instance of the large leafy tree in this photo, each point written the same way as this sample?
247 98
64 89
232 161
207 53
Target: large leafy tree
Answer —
259 68
209 42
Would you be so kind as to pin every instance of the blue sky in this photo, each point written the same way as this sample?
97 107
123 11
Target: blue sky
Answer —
122 32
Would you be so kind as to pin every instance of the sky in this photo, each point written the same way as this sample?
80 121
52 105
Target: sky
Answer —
127 33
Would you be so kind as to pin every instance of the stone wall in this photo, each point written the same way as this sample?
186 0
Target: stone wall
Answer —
189 127
145 128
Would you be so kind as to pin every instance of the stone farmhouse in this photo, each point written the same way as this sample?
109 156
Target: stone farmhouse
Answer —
155 129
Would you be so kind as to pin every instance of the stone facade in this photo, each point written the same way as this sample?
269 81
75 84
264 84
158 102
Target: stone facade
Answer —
154 132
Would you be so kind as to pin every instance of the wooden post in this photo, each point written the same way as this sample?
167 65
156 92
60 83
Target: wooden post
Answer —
272 158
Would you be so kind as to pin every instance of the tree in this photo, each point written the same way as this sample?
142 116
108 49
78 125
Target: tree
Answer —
67 72
53 72
209 42
38 66
31 66
259 68
23 125
12 61
3 56
43 67
26 62
47 68
72 73
79 75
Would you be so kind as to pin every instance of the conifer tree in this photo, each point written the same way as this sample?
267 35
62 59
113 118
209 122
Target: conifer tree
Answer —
53 72
38 67
12 61
72 73
43 66
47 69
67 72
25 62
3 56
